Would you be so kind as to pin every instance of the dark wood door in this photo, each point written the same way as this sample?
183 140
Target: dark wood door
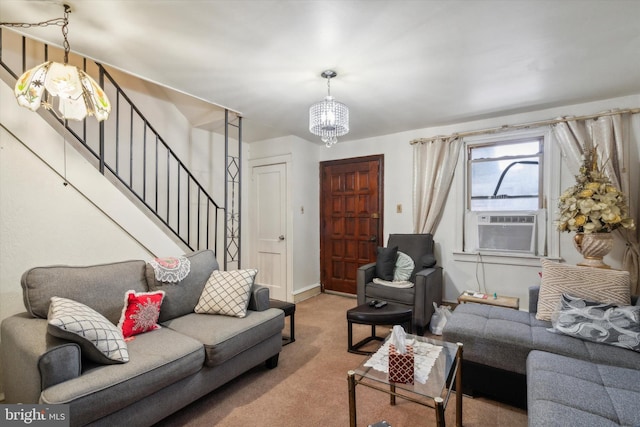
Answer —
350 219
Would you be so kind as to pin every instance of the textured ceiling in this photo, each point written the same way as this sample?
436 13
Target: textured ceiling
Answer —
401 65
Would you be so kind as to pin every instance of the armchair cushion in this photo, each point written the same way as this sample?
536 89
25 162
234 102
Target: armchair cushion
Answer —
386 262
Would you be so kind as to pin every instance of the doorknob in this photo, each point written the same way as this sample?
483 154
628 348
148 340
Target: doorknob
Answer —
373 238
281 237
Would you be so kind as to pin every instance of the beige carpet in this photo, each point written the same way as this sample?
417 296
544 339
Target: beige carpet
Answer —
309 386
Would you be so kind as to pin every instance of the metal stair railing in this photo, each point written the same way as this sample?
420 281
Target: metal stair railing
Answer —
128 148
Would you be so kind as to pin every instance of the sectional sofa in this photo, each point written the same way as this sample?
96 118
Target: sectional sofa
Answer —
190 355
562 380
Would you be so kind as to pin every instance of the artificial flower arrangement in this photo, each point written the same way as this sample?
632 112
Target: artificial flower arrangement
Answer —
593 205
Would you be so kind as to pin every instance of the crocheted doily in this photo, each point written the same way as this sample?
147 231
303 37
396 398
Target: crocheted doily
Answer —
171 269
425 356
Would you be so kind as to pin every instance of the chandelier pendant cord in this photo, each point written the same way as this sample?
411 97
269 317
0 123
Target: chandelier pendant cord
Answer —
60 22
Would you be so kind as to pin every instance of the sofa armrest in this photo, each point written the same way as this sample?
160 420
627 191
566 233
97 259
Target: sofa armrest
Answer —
259 300
534 292
428 289
26 349
59 364
364 275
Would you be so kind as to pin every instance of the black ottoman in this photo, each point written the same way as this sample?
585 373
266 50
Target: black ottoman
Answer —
289 309
390 314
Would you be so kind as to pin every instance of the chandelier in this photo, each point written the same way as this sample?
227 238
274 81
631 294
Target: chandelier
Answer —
329 118
78 94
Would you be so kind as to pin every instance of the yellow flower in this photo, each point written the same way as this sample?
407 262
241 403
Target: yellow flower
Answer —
594 204
593 186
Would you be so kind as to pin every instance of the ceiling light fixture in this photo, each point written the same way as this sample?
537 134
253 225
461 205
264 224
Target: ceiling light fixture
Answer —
79 95
329 119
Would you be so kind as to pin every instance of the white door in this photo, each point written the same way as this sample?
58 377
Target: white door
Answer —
269 227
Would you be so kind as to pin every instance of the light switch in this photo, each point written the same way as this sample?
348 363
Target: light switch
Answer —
399 208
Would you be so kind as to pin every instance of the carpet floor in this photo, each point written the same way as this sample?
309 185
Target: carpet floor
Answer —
309 386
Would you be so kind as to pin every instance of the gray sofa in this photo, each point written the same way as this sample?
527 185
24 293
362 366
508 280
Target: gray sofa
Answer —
511 356
191 355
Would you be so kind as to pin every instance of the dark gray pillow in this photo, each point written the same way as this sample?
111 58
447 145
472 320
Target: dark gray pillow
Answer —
602 323
386 262
428 261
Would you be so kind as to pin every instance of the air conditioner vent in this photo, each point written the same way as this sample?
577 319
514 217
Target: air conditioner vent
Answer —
511 219
507 233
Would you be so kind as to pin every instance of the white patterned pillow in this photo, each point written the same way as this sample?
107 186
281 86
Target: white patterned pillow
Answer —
227 293
99 339
404 267
595 284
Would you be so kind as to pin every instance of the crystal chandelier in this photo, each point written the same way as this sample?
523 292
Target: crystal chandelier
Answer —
329 118
78 94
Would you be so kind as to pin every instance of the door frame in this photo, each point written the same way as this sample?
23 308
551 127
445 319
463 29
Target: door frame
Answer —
380 159
267 161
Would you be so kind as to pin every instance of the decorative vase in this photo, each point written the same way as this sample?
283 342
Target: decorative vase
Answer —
593 247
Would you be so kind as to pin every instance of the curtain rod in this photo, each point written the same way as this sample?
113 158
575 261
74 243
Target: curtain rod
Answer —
505 128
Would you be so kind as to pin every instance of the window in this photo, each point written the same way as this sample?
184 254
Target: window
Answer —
505 176
505 200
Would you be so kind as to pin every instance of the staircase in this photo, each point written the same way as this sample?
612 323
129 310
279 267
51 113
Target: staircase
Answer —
129 151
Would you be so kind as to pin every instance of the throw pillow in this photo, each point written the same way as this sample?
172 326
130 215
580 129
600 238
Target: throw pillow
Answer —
99 339
403 268
386 262
428 261
227 293
140 312
598 322
606 286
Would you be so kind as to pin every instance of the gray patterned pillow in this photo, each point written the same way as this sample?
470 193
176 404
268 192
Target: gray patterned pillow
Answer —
99 339
227 293
598 322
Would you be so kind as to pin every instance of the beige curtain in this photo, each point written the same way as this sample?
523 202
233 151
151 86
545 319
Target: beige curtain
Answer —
434 164
610 134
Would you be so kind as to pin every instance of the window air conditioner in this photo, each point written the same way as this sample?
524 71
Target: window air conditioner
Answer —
507 233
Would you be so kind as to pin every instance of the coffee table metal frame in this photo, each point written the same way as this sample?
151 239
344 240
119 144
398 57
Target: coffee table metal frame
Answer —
365 377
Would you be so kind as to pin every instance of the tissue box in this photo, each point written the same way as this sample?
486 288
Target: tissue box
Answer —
401 366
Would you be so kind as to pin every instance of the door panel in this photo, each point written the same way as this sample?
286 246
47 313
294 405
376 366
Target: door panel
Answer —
270 228
351 219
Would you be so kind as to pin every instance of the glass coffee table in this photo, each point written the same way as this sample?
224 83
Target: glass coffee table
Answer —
434 393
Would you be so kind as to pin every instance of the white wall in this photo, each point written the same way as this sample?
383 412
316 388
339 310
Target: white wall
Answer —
398 180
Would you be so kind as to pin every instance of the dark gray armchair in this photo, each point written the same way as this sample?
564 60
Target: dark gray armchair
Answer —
426 276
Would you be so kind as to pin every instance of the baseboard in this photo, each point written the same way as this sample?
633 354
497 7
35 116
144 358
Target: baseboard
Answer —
342 294
306 293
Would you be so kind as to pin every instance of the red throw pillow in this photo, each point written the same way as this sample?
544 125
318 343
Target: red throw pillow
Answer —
140 312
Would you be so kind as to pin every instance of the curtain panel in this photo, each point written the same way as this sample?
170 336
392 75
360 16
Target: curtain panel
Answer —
434 165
